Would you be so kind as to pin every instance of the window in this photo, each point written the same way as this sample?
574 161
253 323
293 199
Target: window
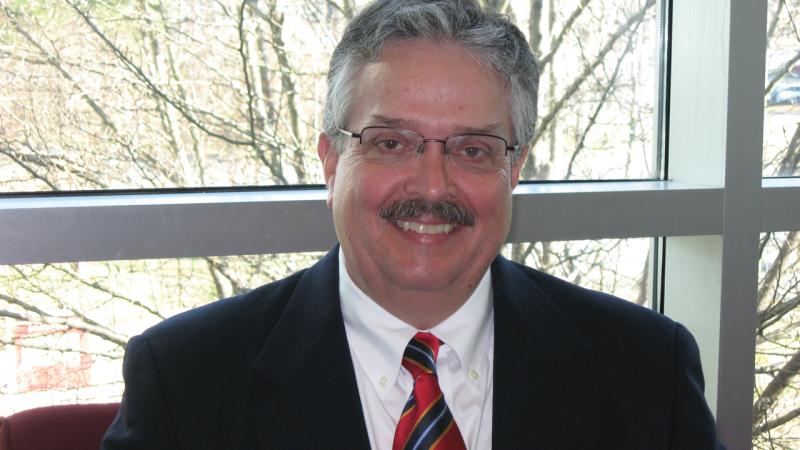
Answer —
706 202
64 326
777 346
598 93
620 267
777 402
110 95
782 92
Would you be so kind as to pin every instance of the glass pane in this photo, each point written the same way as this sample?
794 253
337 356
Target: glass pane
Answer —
782 93
63 327
121 95
620 267
129 95
776 421
598 96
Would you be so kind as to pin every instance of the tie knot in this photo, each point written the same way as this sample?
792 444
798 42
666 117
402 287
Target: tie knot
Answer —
420 355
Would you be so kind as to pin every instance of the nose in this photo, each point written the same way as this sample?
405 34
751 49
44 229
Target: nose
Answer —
431 177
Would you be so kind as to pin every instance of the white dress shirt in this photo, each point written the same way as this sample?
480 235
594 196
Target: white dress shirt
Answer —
465 364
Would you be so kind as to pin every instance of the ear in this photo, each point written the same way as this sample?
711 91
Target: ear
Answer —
517 167
330 158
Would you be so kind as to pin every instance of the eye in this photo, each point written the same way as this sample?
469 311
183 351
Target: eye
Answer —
474 152
389 145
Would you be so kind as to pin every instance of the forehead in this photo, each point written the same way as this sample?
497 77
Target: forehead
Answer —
432 85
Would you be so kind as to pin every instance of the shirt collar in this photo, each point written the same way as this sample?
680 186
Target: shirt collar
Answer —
377 339
467 330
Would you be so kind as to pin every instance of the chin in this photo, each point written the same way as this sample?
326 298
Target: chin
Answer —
425 282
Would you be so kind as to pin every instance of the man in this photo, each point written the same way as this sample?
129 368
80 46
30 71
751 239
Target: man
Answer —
414 333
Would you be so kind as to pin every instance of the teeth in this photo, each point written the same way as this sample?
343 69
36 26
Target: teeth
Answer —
426 229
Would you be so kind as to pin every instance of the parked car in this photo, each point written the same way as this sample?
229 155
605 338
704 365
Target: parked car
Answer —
784 95
786 91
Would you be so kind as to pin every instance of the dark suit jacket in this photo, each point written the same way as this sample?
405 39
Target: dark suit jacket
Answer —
271 369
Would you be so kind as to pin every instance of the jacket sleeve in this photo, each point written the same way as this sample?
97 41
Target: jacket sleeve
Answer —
693 425
143 421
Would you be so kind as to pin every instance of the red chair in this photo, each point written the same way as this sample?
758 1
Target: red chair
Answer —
62 427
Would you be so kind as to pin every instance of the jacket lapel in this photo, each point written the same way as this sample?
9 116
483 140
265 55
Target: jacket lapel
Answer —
539 400
309 397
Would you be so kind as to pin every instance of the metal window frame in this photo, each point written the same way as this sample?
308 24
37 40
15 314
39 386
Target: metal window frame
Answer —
63 228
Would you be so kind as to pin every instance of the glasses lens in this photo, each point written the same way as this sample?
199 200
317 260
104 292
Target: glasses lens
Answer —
477 151
389 145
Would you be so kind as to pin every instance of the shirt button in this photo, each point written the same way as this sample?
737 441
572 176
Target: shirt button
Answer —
382 382
473 374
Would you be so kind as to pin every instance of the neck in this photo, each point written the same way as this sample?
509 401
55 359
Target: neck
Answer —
421 308
423 311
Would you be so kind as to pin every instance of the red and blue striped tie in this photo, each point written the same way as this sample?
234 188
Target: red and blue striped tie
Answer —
426 422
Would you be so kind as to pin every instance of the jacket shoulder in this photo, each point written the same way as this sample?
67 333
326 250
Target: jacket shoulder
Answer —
603 317
231 323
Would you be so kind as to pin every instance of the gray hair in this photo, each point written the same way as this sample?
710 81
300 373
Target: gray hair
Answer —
491 38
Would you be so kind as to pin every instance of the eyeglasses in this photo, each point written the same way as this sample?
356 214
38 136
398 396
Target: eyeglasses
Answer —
471 151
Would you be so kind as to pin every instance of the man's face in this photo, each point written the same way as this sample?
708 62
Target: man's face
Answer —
435 89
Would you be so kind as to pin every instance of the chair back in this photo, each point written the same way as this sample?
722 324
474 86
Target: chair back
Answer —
61 427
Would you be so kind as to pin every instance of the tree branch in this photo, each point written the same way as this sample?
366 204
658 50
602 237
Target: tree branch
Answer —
581 78
556 43
139 73
600 104
778 421
771 393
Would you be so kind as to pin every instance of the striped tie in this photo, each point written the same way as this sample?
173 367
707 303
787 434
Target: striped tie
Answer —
426 422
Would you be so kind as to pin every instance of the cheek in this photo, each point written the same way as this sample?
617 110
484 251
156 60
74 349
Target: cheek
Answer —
346 178
498 208
488 196
360 187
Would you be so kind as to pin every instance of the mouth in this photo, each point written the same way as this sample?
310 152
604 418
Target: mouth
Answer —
416 215
422 228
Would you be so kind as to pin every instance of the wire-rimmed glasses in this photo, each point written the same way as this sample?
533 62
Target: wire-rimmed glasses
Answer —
394 146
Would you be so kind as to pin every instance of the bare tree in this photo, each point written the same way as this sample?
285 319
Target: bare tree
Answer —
776 406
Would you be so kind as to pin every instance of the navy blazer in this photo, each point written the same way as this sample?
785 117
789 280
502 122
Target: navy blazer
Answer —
271 369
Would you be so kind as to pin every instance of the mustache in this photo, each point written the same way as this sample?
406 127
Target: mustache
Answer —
415 207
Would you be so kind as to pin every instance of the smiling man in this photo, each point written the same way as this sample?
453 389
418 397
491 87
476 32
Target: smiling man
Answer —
413 332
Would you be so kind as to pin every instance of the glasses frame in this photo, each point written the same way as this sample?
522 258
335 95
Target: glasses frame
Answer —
421 148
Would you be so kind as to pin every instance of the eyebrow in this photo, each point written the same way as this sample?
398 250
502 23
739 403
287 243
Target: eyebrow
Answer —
379 119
